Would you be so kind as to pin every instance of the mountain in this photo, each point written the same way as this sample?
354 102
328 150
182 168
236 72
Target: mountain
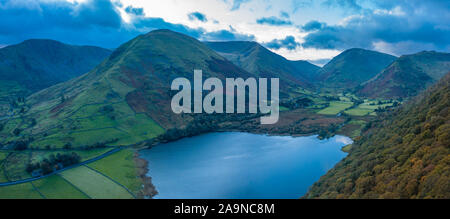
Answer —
124 100
404 154
37 64
353 67
260 61
408 75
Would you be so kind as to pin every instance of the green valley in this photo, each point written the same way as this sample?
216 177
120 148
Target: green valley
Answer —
104 117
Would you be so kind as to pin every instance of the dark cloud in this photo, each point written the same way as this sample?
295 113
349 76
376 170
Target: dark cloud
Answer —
423 24
94 22
197 16
135 11
287 43
82 23
273 21
313 25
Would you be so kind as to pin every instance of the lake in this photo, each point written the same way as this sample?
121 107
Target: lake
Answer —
241 166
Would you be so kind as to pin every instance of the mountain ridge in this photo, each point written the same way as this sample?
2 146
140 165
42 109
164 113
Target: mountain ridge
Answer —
40 63
408 75
353 67
256 59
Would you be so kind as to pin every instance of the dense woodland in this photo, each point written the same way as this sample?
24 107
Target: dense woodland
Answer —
404 154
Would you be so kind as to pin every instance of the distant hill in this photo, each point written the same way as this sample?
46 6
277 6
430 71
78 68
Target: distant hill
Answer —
353 67
408 75
404 154
37 64
127 98
260 61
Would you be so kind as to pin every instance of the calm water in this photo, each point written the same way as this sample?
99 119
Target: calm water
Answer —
241 165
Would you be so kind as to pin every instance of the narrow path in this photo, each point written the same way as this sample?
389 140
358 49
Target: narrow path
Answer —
64 169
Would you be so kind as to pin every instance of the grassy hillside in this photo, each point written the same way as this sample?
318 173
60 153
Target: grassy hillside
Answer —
404 154
260 61
37 64
353 67
125 100
408 75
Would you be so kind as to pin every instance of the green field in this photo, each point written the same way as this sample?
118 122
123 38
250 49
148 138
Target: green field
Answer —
3 156
120 167
367 108
282 109
15 166
2 174
89 125
21 191
359 111
94 184
55 187
336 107
2 159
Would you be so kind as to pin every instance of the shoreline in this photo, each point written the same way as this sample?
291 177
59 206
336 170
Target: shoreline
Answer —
148 190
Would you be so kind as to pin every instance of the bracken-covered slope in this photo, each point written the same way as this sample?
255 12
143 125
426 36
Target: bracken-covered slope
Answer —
260 61
405 154
408 75
124 100
353 67
37 64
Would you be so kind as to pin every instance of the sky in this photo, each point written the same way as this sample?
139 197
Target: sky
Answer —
296 29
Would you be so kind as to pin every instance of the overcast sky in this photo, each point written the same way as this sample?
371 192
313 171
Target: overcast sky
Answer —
296 29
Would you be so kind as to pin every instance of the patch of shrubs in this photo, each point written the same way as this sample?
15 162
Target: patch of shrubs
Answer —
297 103
53 163
21 145
17 131
99 144
202 124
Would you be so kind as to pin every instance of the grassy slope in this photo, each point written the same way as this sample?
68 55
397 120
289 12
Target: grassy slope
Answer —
38 64
408 75
405 154
14 166
353 67
133 83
